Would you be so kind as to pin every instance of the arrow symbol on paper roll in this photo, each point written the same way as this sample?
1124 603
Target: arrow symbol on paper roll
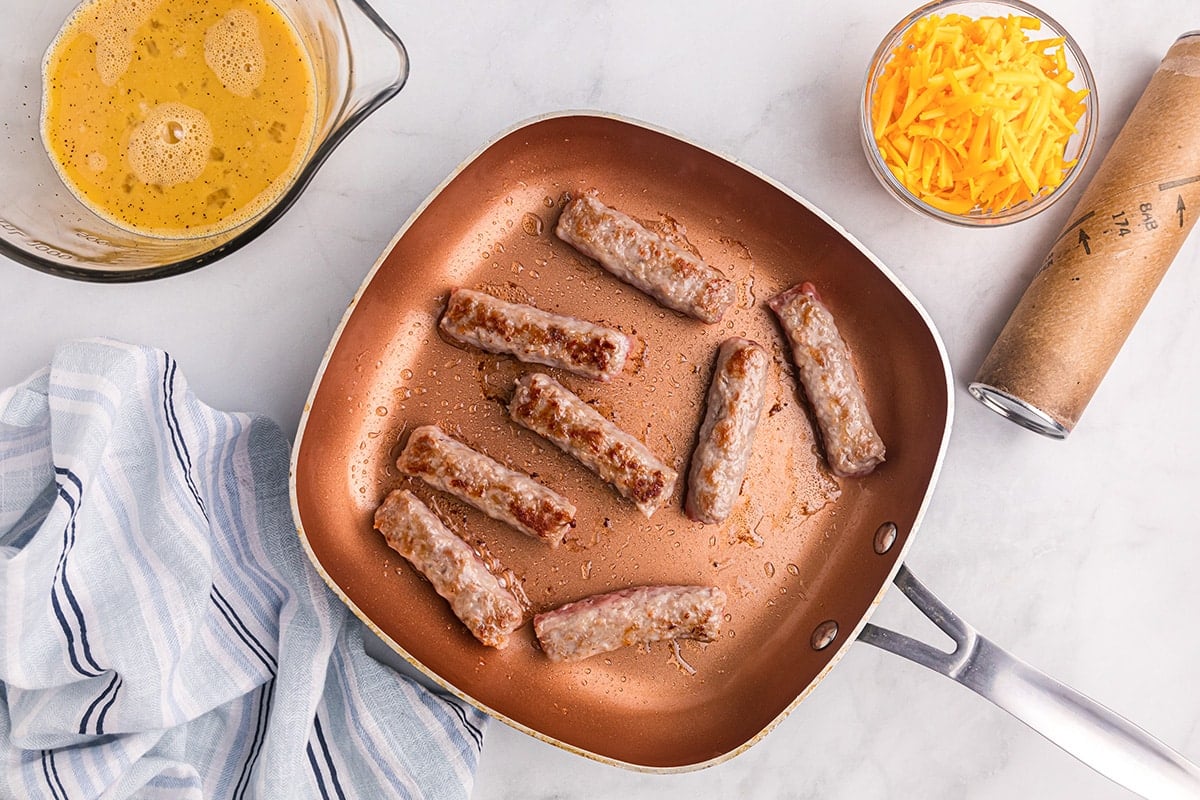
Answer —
1083 240
1179 207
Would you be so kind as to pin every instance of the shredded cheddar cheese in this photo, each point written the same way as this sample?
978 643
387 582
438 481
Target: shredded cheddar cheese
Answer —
973 115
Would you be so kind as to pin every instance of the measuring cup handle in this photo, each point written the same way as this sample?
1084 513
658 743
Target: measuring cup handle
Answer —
1097 736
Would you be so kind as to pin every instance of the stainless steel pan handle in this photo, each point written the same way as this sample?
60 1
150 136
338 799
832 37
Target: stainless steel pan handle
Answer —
1100 738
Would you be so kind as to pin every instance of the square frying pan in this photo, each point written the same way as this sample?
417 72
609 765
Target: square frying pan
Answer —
804 558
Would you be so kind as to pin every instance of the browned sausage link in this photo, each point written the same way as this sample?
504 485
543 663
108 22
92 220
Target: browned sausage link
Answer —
485 606
735 401
852 445
534 336
668 273
501 493
641 615
549 409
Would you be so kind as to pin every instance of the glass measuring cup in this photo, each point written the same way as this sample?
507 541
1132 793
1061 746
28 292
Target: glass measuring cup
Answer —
359 63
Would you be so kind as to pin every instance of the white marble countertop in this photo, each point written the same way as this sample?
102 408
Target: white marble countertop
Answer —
1079 556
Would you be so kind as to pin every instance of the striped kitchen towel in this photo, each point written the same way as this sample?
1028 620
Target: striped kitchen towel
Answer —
161 633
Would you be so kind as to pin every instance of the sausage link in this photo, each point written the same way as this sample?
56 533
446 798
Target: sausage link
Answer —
476 596
501 493
666 272
549 409
852 445
606 622
534 336
735 401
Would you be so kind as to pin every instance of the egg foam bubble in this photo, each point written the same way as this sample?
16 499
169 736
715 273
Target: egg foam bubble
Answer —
171 145
234 52
113 28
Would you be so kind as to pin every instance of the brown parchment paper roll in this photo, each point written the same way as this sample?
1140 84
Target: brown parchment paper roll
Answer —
1101 271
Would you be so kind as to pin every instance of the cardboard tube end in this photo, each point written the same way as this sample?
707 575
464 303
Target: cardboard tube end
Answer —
1017 410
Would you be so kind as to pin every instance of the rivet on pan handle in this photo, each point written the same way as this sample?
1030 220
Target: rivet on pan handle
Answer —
1100 738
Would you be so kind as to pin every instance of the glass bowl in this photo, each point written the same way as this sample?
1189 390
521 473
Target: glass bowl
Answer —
359 65
1079 147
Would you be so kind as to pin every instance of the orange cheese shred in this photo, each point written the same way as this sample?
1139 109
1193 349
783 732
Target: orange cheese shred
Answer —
971 115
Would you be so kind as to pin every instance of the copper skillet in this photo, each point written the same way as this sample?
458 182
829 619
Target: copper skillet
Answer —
805 558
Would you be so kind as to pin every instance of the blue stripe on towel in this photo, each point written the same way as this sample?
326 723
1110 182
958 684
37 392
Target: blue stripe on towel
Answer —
111 687
60 580
51 771
476 734
46 772
312 760
185 462
333 776
243 633
266 694
104 711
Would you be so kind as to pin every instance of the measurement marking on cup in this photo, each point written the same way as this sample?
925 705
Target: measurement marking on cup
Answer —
35 244
1083 240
